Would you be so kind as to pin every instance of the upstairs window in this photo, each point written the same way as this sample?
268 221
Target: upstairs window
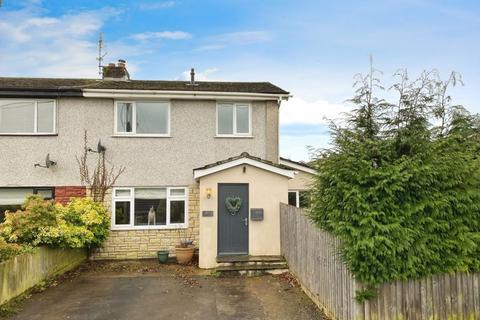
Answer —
234 119
27 116
147 118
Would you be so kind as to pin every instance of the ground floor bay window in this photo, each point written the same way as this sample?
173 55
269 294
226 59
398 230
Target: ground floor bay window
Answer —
149 208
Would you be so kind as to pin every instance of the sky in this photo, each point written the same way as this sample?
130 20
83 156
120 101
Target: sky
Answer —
309 48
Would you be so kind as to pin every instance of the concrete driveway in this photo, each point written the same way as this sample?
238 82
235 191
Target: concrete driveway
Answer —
149 291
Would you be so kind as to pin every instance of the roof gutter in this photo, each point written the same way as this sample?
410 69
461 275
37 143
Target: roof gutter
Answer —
40 93
166 94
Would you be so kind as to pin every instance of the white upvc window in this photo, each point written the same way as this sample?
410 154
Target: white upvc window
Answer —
150 208
299 198
142 118
234 119
27 116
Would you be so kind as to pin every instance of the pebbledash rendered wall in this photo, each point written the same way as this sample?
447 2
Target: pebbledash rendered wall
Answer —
149 161
141 244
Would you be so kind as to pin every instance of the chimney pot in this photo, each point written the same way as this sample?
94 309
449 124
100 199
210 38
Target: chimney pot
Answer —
116 72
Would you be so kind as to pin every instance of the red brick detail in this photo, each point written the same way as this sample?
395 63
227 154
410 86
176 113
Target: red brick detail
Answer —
64 194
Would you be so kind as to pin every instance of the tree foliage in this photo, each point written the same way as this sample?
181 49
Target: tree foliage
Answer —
401 184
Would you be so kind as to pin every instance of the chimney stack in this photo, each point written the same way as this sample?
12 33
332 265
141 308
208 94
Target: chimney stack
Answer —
116 72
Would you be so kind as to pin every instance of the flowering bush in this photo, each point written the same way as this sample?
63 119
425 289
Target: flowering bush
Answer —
9 250
82 223
24 225
84 213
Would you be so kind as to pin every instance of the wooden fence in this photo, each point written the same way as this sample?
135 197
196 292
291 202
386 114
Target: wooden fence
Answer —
313 257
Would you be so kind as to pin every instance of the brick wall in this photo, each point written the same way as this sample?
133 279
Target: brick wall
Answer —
64 194
141 244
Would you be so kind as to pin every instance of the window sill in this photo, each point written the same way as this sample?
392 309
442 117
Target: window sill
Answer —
233 137
141 136
29 134
139 228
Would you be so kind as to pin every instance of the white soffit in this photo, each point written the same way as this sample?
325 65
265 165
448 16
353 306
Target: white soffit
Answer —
297 166
164 94
198 173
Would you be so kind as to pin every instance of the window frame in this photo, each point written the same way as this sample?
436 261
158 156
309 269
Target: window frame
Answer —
35 191
35 117
134 119
297 197
131 200
234 133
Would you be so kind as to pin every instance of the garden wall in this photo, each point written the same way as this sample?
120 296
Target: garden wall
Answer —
22 272
313 257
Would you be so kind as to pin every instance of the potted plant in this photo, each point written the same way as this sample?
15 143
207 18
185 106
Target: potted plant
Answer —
184 251
162 256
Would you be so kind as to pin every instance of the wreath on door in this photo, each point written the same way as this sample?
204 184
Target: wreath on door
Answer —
233 204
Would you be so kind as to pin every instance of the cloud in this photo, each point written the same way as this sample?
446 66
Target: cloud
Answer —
297 147
241 38
200 76
304 129
210 47
34 44
300 111
170 35
304 124
157 5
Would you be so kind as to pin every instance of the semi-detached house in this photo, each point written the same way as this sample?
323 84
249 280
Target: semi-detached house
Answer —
187 147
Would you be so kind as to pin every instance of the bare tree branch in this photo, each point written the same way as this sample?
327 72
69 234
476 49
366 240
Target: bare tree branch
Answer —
104 174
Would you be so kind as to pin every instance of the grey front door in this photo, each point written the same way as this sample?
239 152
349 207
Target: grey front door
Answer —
232 219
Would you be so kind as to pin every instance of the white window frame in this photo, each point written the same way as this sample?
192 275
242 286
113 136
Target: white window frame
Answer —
35 116
234 133
297 197
134 119
131 199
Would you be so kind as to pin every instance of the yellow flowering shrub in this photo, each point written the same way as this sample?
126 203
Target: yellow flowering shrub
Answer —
9 250
82 223
24 225
90 215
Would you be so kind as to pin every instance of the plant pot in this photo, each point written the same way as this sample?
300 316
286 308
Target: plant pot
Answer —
162 256
184 254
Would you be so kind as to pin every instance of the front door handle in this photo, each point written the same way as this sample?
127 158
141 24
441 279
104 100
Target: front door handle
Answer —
246 221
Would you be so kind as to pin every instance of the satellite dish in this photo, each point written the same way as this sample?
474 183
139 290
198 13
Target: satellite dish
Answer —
100 148
48 163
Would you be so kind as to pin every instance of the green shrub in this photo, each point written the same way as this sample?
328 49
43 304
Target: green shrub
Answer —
402 194
9 250
82 223
24 225
90 215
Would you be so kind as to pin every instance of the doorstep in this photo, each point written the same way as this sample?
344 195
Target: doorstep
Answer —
248 263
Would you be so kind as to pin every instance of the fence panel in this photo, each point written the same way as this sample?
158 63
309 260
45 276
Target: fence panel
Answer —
313 256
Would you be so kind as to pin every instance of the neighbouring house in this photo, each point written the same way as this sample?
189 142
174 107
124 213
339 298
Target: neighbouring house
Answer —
200 157
298 188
